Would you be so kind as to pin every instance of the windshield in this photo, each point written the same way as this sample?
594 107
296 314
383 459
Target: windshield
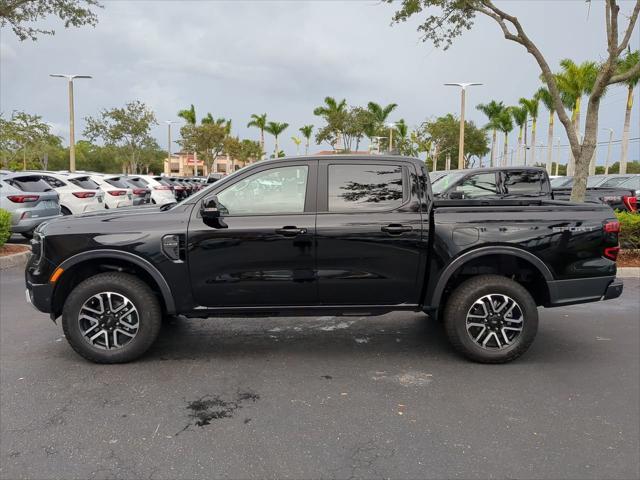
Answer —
117 182
561 182
613 182
441 184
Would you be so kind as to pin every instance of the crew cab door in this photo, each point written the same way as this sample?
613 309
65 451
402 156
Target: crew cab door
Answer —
260 252
369 234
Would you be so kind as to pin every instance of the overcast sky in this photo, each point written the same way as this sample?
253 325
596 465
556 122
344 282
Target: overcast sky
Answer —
235 58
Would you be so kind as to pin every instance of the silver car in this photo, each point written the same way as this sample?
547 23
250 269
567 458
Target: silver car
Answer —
29 199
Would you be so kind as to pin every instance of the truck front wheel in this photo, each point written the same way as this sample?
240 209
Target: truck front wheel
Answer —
111 318
491 319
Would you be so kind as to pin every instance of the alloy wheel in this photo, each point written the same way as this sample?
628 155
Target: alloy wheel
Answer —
108 320
495 321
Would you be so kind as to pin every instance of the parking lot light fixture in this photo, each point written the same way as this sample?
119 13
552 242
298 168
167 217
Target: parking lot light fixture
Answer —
72 142
608 159
463 88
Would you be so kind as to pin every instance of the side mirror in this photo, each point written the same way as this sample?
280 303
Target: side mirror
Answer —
456 195
209 208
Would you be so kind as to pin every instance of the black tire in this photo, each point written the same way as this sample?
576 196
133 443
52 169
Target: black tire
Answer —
459 306
65 211
137 292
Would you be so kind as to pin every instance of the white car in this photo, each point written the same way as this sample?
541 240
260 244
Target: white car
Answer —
77 192
160 194
115 196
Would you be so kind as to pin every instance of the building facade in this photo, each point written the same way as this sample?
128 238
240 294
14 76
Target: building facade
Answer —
183 164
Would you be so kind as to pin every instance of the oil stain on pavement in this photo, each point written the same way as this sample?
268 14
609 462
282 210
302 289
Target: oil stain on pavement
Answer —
213 407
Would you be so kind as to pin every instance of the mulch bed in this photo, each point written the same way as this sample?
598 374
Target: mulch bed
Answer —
629 258
10 248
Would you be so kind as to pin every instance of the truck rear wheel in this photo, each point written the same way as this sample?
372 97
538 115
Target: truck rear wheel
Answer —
491 319
111 318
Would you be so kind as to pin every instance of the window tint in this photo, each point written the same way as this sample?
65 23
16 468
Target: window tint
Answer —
54 182
29 184
85 182
480 185
136 182
364 187
523 183
117 182
270 192
632 183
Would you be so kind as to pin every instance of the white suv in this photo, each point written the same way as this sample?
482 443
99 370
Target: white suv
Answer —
160 194
75 197
115 196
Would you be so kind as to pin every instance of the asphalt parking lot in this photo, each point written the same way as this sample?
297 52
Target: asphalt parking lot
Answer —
330 397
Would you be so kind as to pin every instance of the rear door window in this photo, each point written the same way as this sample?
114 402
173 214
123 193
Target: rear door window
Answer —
364 187
523 183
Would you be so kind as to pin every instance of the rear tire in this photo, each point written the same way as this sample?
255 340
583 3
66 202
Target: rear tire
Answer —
125 337
491 319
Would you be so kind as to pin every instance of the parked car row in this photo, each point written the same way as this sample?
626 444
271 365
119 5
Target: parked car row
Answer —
35 196
620 192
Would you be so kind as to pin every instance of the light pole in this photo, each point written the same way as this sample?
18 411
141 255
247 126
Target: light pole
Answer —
463 87
169 123
606 162
557 156
72 134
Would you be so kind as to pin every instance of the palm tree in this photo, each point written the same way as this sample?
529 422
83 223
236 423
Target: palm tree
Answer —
297 141
519 115
492 110
505 125
380 113
531 106
629 61
575 81
260 122
275 129
330 108
189 115
208 119
307 131
545 97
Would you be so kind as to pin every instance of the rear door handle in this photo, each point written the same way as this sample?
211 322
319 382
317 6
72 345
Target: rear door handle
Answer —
290 231
396 229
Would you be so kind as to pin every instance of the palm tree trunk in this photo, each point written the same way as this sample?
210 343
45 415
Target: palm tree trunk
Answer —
505 150
624 154
262 143
550 143
493 148
519 146
533 141
571 167
306 147
277 149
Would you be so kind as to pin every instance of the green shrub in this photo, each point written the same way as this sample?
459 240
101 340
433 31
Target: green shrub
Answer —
629 229
5 226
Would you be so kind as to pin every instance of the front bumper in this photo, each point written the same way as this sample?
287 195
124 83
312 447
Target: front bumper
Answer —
40 295
583 290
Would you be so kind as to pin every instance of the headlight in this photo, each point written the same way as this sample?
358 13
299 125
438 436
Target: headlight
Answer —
37 246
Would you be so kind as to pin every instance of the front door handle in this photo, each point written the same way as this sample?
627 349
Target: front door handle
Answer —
290 231
396 229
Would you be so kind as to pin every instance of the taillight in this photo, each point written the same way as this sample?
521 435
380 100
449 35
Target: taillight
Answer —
117 193
611 253
23 198
612 227
84 194
630 202
162 187
139 191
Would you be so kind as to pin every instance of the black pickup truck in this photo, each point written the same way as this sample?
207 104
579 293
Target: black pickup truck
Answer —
339 235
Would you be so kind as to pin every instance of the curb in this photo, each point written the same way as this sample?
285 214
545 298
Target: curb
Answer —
628 272
15 259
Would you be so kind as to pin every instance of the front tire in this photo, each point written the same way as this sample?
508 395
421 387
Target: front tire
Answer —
491 319
111 318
